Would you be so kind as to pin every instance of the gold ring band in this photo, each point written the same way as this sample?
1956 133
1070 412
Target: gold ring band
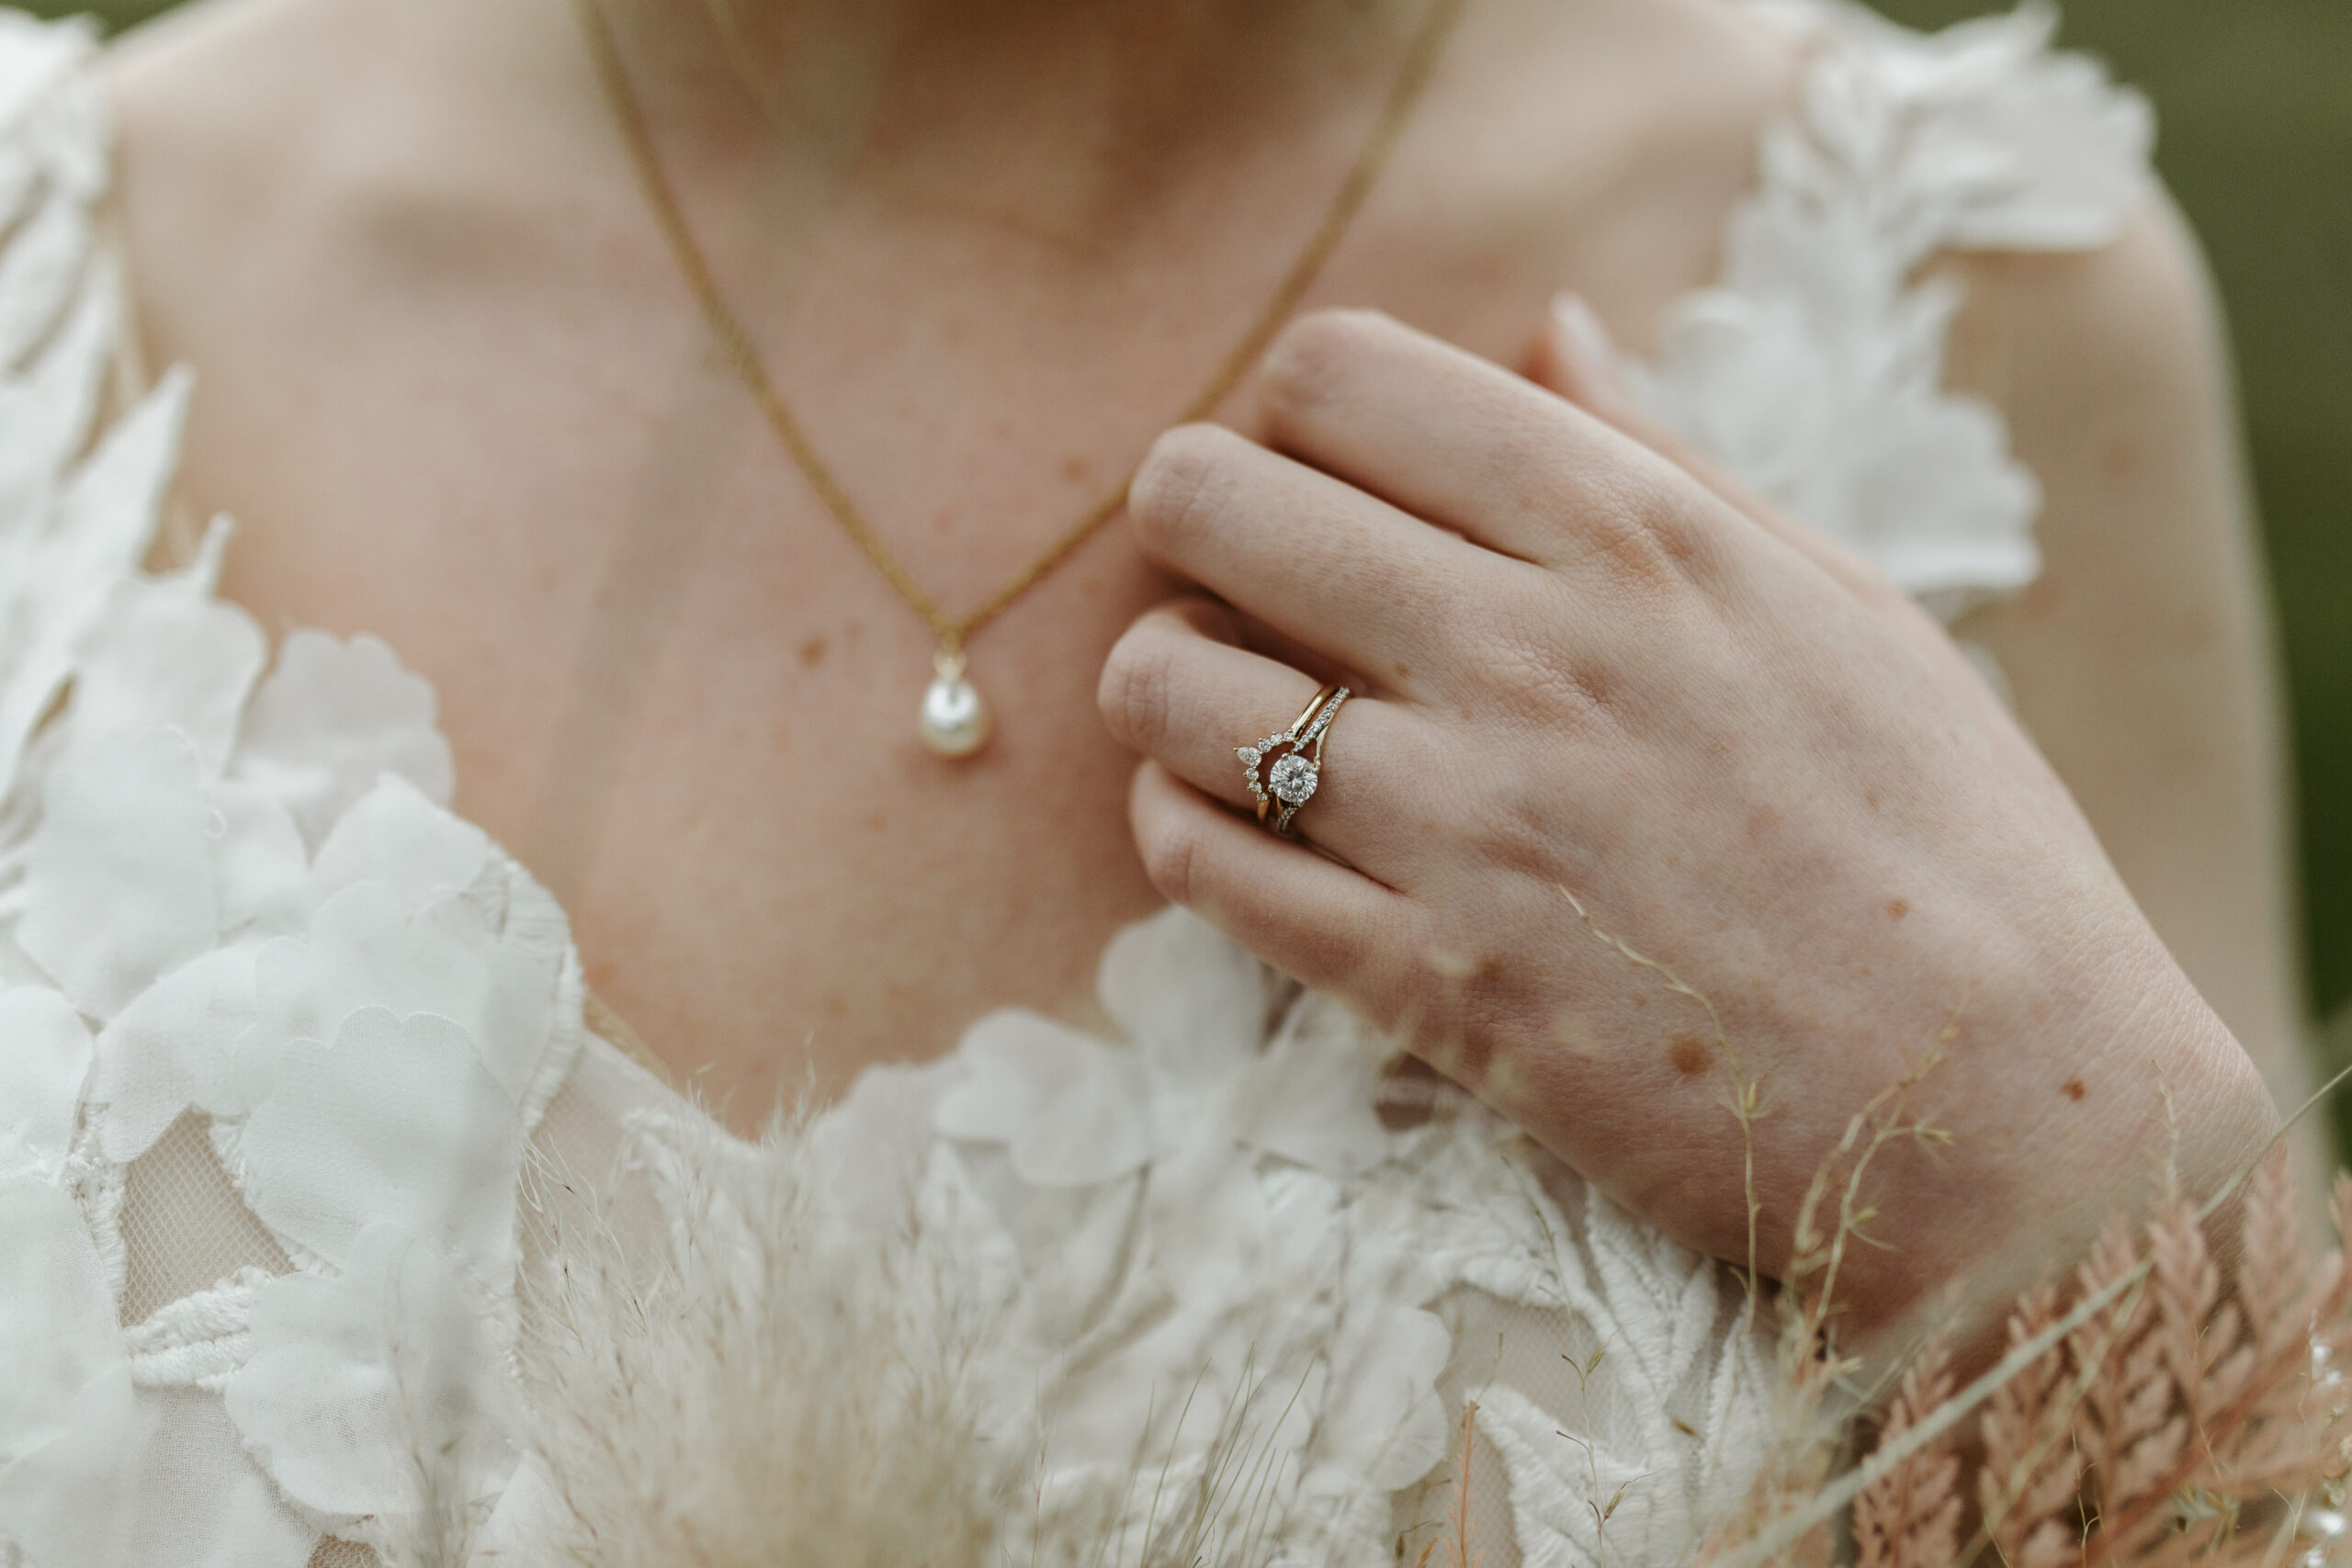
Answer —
1286 767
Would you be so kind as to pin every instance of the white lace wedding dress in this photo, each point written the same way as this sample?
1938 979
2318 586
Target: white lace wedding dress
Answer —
291 1057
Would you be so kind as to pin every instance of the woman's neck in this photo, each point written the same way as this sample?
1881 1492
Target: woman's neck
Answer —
1075 114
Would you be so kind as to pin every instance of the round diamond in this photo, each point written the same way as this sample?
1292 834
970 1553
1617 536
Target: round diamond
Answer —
1293 778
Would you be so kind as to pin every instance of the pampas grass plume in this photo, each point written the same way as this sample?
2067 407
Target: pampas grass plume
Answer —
757 1394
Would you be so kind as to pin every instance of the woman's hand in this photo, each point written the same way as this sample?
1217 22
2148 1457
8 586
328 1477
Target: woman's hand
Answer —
1625 739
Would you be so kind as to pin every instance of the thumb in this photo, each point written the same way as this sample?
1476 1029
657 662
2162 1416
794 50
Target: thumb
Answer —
1575 356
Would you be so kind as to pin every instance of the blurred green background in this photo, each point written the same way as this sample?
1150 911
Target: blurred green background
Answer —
2255 101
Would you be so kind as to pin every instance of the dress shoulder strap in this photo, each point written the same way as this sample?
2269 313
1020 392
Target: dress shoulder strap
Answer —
1980 137
1814 368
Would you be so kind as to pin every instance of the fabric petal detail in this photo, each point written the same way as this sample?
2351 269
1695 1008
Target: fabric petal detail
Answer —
176 1045
372 1393
874 1147
164 653
45 1057
35 57
67 539
1813 369
1194 1004
58 1333
1072 1110
396 1123
396 835
260 864
531 1524
331 718
365 949
120 887
1310 1096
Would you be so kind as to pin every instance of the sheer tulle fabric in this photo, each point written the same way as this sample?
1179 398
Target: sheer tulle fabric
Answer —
289 1053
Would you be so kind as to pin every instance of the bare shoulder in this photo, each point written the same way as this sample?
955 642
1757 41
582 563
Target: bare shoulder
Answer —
227 46
1599 145
285 167
2054 326
226 86
1682 72
2110 365
269 118
233 124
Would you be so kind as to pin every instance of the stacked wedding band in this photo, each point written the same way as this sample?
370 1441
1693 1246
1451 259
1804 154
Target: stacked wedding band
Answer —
1285 767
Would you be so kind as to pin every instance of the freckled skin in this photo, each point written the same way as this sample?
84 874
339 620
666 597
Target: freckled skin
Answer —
456 397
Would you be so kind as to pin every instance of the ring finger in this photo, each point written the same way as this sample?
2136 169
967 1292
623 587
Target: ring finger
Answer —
1178 689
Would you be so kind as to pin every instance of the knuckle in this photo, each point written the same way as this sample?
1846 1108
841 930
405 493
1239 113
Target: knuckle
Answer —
1135 693
1522 836
1507 822
1638 526
1185 484
1536 677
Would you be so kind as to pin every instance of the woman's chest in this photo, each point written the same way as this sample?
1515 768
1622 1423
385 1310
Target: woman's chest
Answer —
673 686
679 693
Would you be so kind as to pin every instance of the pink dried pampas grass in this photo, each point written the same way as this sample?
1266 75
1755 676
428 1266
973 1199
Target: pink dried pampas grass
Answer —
2161 1412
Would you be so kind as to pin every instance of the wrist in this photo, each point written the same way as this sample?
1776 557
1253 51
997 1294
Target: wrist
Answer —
2110 1082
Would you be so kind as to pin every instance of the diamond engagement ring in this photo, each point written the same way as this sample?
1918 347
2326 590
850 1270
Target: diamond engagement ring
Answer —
1285 767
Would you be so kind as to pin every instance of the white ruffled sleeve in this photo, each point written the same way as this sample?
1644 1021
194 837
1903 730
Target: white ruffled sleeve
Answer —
1814 370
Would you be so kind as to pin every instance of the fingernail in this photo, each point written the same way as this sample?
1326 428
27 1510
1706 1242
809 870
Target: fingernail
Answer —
1592 352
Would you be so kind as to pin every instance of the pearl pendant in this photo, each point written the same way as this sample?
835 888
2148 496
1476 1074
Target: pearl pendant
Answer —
954 720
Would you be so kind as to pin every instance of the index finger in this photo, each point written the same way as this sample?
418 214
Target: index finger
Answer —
1441 434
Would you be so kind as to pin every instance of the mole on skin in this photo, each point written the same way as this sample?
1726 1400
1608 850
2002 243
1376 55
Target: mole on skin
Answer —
1690 1055
1897 907
2073 1089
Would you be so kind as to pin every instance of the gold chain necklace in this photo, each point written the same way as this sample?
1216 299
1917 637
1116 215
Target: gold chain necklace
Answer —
954 719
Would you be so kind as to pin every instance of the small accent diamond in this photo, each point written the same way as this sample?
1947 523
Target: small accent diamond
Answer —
1253 760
